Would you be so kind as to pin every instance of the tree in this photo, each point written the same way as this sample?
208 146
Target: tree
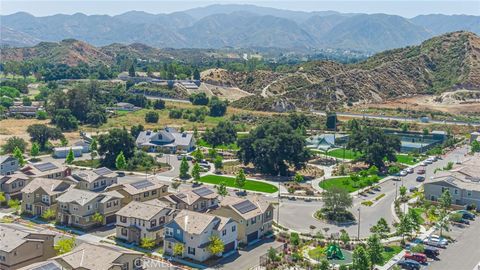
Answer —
64 120
373 170
324 265
152 117
178 249
375 146
344 237
331 121
415 219
159 104
3 199
41 134
64 141
216 245
196 172
272 254
445 199
147 243
404 227
199 99
298 178
294 239
196 74
41 115
98 218
131 71
375 250
393 170
222 189
93 145
184 168
381 228
217 107
198 155
403 191
218 163
49 214
360 259
475 146
224 133
35 150
418 248
14 204
14 142
111 144
18 154
136 129
266 148
337 199
404 127
240 179
120 162
70 157
64 245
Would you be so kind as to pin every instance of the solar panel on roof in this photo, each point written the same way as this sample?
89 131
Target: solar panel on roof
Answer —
142 184
48 266
203 191
181 195
245 206
102 171
45 166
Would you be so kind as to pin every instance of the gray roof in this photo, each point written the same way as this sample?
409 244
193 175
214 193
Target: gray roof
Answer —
92 175
79 196
167 136
5 158
144 210
14 235
195 222
49 185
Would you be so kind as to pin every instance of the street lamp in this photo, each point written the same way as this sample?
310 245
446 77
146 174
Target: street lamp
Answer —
358 228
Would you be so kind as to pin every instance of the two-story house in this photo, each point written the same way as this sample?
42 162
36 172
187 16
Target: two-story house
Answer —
93 256
193 230
8 165
93 180
199 199
139 220
46 170
253 214
21 246
11 185
77 207
41 194
140 190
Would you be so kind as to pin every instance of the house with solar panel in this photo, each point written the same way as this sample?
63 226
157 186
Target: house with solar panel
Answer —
193 230
167 140
41 195
139 220
93 180
199 199
254 216
46 170
140 190
76 207
21 246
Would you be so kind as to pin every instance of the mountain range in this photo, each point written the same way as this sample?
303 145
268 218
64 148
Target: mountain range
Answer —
239 26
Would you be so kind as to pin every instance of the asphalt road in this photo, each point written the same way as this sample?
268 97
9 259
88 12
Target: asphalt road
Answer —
298 215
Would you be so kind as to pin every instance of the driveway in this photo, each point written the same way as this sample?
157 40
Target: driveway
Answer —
249 257
173 161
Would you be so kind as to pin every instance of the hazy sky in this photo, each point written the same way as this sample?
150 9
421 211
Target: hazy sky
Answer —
111 7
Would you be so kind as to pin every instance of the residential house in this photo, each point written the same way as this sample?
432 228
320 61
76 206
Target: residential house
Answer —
194 230
41 194
84 144
8 165
166 140
93 256
463 183
141 190
123 106
77 207
62 152
46 170
11 185
198 199
253 214
21 246
94 180
139 220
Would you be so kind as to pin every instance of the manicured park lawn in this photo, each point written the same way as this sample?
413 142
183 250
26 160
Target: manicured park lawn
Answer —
389 252
317 253
342 182
230 182
349 154
420 212
407 159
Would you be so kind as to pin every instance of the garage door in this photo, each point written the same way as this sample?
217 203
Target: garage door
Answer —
229 247
252 237
110 219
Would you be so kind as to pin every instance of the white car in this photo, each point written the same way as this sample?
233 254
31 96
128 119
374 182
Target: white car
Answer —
428 161
403 173
423 163
434 242
409 170
439 238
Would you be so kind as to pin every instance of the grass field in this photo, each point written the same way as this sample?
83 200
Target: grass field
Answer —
349 154
342 182
232 146
230 182
407 159
420 212
389 252
317 253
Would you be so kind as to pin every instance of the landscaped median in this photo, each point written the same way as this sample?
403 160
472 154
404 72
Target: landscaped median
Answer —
251 185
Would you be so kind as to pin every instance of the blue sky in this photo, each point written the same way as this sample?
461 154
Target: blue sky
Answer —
111 7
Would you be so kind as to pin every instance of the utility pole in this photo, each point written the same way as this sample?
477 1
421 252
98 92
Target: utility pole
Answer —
278 206
358 228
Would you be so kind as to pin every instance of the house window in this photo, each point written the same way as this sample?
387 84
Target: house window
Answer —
169 245
161 220
253 220
123 219
153 223
234 228
191 251
45 199
14 185
154 192
224 232
109 204
125 266
103 183
20 184
145 194
469 193
455 191
169 232
269 213
89 207
124 232
164 189
28 207
115 203
95 185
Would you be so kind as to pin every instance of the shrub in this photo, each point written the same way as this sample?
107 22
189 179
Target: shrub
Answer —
367 203
151 117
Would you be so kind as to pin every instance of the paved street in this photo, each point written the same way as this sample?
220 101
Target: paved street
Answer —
298 215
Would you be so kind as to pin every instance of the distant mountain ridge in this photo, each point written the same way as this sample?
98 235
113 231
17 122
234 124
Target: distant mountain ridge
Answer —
244 26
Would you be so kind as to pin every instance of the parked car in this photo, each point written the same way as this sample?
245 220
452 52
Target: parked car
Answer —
463 221
409 170
421 171
434 242
420 178
428 161
403 173
180 157
413 189
439 238
414 242
418 257
466 214
409 264
423 163
431 252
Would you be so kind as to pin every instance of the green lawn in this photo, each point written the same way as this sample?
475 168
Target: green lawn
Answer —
420 212
317 253
389 252
407 159
230 182
232 146
342 182
338 153
87 163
